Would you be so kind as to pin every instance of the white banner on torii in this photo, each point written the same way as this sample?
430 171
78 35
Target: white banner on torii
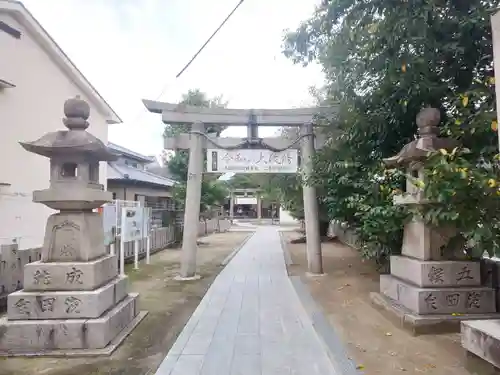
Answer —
252 161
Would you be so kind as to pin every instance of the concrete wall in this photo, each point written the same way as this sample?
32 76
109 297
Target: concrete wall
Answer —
28 111
213 225
12 260
344 235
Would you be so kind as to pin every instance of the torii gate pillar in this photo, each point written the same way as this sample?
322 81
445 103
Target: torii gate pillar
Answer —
311 212
192 204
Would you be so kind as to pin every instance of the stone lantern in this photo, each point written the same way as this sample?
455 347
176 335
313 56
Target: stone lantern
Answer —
421 239
73 300
74 187
429 288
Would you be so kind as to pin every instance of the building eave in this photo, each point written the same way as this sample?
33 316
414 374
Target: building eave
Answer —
22 15
6 84
119 173
130 182
129 153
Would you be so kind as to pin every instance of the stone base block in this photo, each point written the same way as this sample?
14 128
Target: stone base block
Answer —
66 304
465 300
65 353
73 237
422 324
482 338
57 276
476 365
424 242
448 273
28 336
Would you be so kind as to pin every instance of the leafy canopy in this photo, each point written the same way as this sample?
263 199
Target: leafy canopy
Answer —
384 60
213 192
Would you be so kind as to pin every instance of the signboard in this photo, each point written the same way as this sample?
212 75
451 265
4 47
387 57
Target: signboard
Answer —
251 161
108 212
245 200
132 223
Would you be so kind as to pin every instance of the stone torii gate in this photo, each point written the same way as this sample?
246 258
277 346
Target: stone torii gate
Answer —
197 140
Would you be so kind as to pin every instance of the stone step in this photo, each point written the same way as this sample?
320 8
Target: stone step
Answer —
482 338
436 274
57 276
66 304
458 300
25 336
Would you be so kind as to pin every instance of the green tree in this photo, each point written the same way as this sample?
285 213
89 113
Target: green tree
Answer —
197 98
213 192
243 181
385 60
289 189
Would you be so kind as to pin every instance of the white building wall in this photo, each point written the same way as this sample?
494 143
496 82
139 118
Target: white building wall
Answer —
28 111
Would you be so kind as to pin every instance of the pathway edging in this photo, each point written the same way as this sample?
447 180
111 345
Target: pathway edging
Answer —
286 253
236 250
328 337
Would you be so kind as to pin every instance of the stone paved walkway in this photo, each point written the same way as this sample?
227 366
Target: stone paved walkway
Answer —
250 322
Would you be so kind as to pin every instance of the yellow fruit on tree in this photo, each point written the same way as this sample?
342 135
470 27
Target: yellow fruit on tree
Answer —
494 125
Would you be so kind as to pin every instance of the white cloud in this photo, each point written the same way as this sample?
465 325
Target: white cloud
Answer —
129 50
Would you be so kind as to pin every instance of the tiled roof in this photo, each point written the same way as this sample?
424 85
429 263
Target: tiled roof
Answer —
127 152
161 171
126 172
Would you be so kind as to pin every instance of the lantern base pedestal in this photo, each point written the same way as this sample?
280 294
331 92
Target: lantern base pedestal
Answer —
423 324
89 304
432 300
71 337
59 276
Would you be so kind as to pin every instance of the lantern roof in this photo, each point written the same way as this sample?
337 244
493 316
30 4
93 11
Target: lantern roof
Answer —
427 142
74 141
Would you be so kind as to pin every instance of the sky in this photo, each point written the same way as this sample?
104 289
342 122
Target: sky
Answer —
132 50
